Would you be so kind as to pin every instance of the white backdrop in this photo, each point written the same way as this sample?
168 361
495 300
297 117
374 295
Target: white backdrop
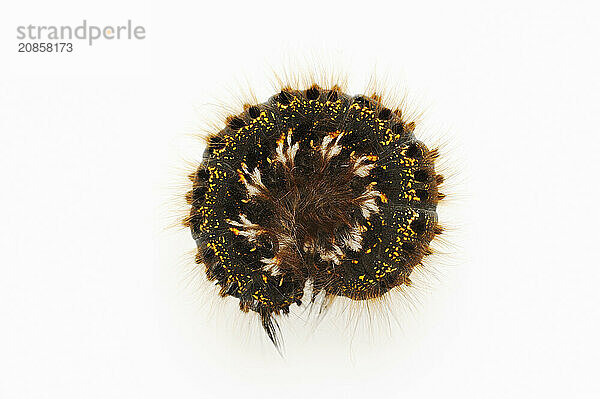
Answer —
93 295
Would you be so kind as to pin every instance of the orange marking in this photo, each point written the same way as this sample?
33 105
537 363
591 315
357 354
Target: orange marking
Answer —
281 139
241 175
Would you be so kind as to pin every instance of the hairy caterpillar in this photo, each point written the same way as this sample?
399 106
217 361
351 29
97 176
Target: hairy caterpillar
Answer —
313 192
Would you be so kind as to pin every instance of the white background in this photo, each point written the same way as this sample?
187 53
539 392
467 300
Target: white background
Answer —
93 295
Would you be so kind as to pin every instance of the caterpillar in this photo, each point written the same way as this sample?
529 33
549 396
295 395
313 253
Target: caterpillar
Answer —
314 191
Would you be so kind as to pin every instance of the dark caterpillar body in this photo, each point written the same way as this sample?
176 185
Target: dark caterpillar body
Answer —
313 187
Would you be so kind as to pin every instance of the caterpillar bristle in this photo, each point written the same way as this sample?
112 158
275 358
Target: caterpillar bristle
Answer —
438 229
433 154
